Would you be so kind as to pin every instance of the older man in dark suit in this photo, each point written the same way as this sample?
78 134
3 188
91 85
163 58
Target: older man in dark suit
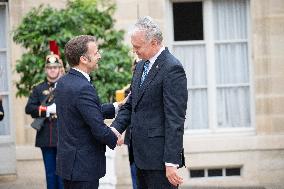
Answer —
82 134
156 109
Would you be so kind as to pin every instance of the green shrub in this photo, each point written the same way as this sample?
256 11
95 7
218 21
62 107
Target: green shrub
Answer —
80 17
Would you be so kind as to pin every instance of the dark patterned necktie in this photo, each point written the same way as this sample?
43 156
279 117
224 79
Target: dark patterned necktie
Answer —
145 71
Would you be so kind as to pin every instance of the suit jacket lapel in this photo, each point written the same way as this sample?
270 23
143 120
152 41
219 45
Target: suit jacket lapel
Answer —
158 64
136 80
152 73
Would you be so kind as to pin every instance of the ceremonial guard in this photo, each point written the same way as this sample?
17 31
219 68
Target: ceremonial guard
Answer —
41 106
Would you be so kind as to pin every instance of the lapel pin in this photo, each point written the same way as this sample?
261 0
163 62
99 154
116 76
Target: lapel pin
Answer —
157 66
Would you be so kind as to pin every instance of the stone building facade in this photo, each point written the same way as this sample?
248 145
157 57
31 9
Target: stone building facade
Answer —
232 51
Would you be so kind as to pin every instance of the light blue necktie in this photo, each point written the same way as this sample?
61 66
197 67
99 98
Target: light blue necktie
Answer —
145 71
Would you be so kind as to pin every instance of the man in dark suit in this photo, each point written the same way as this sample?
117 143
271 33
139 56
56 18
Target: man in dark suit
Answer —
82 134
156 109
1 109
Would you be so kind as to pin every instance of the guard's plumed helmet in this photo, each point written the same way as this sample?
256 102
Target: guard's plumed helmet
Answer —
53 59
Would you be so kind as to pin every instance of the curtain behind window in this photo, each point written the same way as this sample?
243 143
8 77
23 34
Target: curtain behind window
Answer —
193 58
230 29
231 60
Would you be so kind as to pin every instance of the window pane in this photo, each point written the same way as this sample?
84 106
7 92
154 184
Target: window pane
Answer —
233 172
233 107
188 21
232 63
3 72
2 29
197 173
193 59
197 115
4 124
215 172
230 18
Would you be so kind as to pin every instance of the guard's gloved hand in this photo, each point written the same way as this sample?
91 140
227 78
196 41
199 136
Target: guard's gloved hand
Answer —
51 109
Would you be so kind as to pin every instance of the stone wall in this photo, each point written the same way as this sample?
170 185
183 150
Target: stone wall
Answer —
259 152
268 63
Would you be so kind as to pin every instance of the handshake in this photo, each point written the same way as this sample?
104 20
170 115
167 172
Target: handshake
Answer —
120 138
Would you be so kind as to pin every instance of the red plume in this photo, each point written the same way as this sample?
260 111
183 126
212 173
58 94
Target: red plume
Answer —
54 48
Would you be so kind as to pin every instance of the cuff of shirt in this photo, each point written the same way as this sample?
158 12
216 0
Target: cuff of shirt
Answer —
116 108
171 165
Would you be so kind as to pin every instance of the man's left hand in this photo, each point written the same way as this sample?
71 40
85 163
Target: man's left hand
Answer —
172 175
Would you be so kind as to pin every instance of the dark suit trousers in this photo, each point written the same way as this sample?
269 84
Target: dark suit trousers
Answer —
153 179
81 184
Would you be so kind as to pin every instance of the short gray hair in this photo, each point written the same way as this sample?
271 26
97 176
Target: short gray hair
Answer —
152 30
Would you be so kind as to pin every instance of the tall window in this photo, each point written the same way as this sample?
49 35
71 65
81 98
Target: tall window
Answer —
4 69
211 41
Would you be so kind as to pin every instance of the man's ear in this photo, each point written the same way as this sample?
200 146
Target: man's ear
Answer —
84 59
154 42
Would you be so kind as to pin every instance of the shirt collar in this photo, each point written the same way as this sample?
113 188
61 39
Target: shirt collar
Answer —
84 74
154 58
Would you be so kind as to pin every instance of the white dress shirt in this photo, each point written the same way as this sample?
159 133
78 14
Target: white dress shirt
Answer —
154 58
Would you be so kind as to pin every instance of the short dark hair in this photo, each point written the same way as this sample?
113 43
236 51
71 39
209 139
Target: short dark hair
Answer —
77 47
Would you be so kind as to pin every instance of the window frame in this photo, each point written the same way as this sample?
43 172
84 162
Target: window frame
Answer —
7 137
211 86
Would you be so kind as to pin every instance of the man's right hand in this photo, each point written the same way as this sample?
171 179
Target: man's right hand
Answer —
118 136
120 141
172 175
